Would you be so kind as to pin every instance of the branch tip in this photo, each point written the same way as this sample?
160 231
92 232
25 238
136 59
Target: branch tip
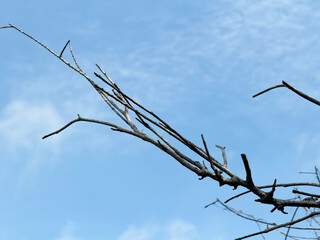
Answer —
9 26
64 48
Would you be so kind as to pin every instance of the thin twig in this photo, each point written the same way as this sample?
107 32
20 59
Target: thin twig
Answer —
285 84
306 194
288 230
79 119
280 226
106 75
267 90
64 48
223 155
6 27
205 147
74 59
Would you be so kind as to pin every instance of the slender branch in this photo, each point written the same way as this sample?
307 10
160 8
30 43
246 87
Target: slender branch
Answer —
64 48
307 194
74 59
280 226
241 214
205 147
277 185
288 230
223 155
106 75
6 27
248 170
285 84
79 119
301 94
267 90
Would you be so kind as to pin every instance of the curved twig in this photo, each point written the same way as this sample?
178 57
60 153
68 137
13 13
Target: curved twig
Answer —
267 90
287 85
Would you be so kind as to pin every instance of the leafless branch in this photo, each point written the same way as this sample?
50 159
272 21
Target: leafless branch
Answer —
9 26
293 216
314 196
277 185
74 59
64 48
284 84
267 90
225 162
79 119
130 111
281 225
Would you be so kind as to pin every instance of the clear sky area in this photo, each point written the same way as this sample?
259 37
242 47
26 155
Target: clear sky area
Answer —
194 63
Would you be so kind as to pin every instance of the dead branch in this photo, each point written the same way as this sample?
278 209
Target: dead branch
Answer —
281 225
287 85
124 106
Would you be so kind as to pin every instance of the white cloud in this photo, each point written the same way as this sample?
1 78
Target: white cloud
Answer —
140 233
214 45
181 230
22 124
68 232
172 230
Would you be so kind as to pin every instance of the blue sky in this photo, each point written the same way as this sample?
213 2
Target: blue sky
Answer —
196 64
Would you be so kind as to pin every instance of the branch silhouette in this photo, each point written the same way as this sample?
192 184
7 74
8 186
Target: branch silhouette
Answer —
135 116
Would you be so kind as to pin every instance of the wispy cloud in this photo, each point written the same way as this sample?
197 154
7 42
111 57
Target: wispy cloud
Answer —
68 232
181 230
140 233
252 45
22 124
172 230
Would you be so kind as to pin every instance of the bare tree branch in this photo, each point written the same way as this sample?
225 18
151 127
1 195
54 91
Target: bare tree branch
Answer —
284 84
79 119
314 196
267 90
132 112
280 226
277 185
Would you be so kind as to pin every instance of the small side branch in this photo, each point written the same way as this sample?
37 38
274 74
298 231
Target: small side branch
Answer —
64 48
205 146
225 162
316 196
248 170
78 120
73 57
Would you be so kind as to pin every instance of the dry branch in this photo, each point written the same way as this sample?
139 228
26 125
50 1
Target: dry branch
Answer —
287 85
124 106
